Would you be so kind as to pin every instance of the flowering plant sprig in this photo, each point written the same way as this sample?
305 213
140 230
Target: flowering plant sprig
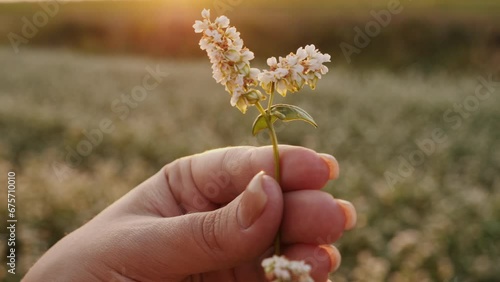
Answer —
231 67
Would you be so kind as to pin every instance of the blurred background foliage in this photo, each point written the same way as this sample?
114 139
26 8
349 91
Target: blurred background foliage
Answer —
426 34
441 223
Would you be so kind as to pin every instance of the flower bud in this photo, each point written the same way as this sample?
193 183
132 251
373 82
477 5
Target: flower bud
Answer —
254 96
244 68
233 55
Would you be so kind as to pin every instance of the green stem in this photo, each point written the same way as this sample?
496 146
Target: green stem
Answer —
271 98
277 174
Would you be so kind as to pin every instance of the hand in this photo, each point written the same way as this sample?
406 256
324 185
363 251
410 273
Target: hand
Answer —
209 217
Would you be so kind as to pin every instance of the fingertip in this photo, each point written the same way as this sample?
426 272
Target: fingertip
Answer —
303 169
253 202
322 259
334 255
312 214
269 183
349 212
333 165
273 190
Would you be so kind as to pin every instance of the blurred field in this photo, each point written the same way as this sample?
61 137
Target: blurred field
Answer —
440 224
430 34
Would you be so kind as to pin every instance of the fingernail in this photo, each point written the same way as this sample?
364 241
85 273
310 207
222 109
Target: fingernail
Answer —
350 214
333 165
253 201
334 254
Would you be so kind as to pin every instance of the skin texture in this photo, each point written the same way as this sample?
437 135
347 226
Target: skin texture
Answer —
208 217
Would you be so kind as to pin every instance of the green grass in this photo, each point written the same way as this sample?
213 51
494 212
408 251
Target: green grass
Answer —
439 224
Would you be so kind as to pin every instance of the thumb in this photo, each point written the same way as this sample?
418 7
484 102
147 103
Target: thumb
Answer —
239 232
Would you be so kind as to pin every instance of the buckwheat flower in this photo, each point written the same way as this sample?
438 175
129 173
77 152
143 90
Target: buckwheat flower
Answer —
230 60
222 21
200 26
294 71
280 269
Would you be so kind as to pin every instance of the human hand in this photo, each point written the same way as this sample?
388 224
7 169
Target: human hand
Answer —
209 217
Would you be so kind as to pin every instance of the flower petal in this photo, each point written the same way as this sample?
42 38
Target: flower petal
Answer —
205 13
222 21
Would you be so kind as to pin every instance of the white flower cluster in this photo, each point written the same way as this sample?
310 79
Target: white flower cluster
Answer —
230 60
294 71
280 269
231 64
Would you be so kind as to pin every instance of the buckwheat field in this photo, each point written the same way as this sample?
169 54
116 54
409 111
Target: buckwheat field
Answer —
419 149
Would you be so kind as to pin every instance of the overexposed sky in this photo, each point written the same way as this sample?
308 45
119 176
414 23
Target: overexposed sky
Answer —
16 1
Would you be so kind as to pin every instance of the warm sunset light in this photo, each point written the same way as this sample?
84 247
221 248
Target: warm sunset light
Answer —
156 140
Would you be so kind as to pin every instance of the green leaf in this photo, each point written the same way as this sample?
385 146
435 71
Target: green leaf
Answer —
290 113
260 124
282 112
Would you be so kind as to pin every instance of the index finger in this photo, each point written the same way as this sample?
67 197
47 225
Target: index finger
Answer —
222 174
